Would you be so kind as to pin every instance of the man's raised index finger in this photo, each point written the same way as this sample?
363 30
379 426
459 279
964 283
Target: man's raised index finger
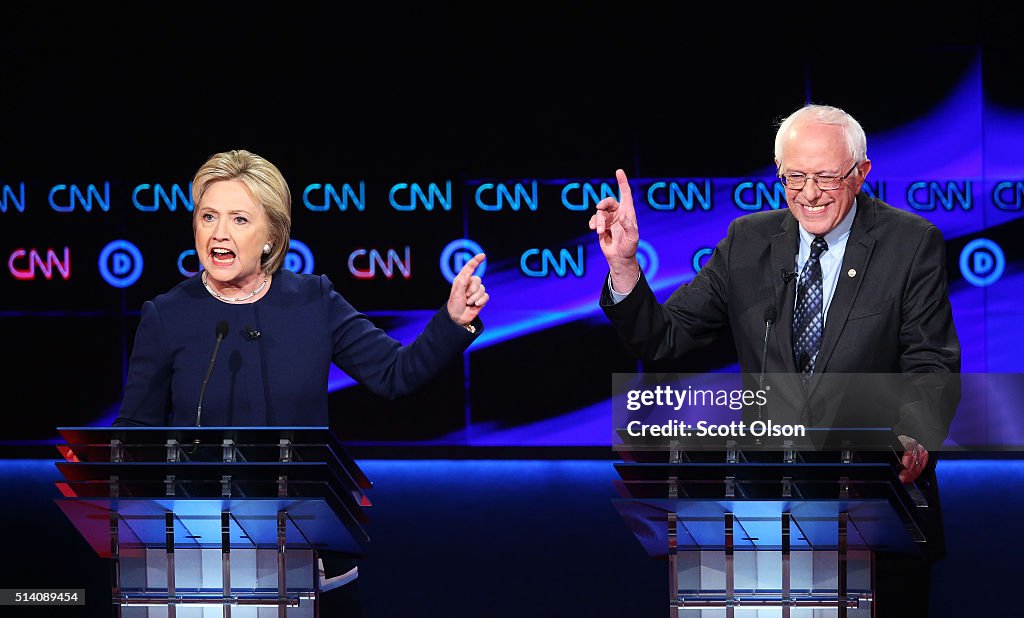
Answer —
625 194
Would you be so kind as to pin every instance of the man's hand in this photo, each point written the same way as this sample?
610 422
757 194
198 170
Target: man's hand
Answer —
915 458
618 235
468 295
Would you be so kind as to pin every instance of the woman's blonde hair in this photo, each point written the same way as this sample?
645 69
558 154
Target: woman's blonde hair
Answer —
267 186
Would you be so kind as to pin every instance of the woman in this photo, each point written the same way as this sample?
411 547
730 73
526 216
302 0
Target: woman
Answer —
281 331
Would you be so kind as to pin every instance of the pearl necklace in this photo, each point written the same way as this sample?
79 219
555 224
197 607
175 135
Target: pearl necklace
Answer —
234 300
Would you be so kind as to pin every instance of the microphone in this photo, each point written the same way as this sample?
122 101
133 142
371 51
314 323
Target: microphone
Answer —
251 333
770 315
788 276
222 331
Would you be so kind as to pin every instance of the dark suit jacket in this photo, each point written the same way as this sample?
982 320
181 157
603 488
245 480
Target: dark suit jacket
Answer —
889 315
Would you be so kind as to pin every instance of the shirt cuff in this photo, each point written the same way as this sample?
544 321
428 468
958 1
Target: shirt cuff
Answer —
618 297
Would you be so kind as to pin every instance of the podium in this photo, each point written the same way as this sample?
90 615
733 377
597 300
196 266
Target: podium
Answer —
791 527
229 518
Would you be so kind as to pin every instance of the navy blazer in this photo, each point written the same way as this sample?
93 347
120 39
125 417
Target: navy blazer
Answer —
280 377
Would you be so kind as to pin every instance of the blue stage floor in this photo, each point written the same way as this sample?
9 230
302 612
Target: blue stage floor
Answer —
522 538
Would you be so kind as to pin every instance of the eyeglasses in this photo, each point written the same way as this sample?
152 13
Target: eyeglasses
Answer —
825 182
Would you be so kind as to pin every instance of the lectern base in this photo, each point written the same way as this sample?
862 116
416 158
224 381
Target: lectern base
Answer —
199 590
757 584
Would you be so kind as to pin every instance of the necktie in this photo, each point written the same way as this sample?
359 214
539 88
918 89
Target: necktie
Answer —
808 315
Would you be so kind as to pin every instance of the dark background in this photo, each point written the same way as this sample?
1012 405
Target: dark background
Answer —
144 93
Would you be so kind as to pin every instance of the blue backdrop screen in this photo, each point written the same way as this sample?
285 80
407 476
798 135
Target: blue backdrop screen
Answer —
390 197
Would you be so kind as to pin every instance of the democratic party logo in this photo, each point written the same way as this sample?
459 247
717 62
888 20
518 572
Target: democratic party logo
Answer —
456 254
299 259
982 262
120 263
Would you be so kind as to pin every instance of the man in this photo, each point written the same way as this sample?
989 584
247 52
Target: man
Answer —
870 286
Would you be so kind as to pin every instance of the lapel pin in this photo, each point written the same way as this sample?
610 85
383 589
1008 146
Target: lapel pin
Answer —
852 272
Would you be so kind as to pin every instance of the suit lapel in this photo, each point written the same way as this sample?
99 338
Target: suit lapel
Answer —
784 249
858 253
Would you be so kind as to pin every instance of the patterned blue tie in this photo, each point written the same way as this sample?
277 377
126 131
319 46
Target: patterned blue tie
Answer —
808 314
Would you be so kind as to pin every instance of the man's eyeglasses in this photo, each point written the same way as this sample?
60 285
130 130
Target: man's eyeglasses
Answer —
825 182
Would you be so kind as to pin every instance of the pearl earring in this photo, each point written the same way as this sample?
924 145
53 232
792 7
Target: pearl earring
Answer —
266 249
